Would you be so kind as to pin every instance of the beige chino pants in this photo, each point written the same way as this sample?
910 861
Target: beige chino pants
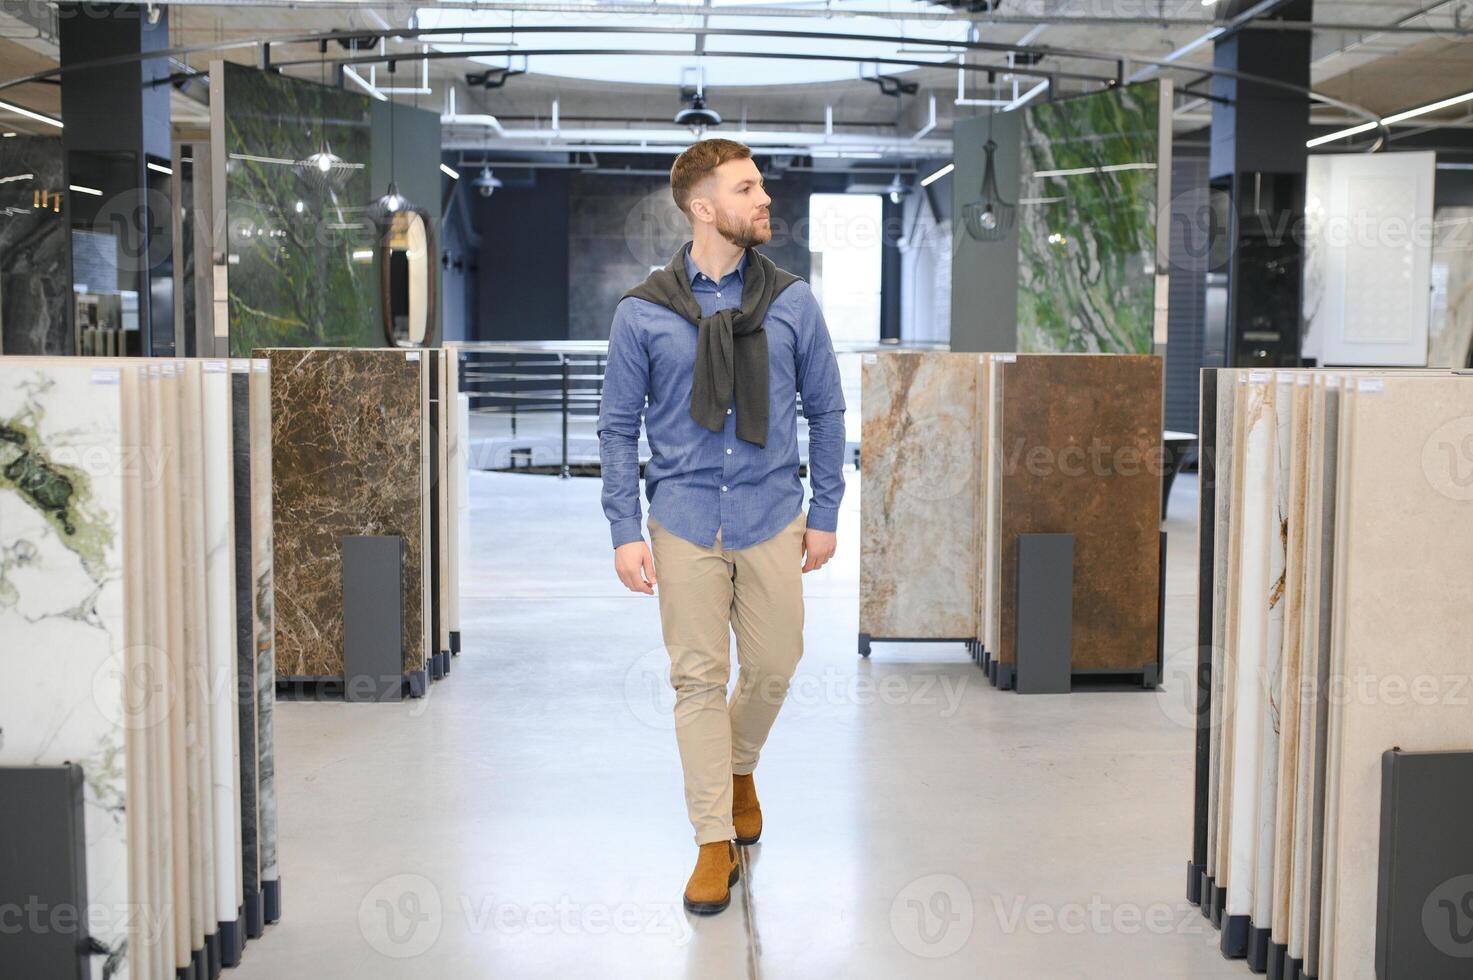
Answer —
705 594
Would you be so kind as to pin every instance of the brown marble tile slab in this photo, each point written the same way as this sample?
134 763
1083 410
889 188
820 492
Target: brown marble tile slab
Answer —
1079 452
348 457
917 569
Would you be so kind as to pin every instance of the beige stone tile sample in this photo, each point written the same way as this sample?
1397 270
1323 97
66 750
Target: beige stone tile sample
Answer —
917 574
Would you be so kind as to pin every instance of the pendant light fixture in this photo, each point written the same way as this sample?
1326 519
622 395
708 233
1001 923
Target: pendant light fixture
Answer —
323 170
990 218
390 211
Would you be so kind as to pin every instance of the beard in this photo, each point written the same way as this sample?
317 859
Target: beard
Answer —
743 234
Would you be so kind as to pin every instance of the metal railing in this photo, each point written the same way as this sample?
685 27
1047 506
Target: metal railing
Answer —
539 400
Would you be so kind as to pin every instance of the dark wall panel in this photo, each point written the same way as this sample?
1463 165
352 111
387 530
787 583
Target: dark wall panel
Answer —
1186 303
522 280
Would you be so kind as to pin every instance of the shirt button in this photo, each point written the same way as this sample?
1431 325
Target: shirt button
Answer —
728 451
718 292
723 488
728 411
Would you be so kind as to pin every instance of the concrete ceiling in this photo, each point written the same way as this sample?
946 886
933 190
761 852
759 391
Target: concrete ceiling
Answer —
1382 70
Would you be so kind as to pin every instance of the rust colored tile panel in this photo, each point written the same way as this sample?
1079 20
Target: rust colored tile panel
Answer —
1080 453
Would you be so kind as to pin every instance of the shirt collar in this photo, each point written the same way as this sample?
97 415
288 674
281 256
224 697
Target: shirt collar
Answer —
691 271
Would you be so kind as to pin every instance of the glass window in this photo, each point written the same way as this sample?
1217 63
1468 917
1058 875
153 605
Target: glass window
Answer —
845 238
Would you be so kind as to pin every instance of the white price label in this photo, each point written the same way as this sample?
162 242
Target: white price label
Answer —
412 355
105 376
214 367
1369 386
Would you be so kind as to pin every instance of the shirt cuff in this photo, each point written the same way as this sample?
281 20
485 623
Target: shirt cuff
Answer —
625 530
823 518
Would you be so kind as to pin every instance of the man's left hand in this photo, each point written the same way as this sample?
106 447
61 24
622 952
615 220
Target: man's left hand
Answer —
818 548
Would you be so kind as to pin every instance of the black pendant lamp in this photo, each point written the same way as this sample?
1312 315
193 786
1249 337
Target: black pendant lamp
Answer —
990 218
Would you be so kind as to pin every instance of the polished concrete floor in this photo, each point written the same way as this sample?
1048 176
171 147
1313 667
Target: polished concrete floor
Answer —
526 819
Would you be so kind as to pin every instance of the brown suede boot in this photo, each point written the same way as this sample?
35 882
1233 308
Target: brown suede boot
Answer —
746 812
709 888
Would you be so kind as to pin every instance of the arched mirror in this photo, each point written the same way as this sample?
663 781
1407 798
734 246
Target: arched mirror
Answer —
409 278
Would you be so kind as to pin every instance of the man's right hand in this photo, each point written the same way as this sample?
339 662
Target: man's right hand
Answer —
635 566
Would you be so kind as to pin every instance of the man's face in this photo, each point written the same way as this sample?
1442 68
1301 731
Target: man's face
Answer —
740 203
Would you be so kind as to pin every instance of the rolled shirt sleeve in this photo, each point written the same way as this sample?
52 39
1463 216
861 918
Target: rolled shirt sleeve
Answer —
823 406
621 410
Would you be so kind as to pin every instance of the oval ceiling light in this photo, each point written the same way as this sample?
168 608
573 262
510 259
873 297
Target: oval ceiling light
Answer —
886 33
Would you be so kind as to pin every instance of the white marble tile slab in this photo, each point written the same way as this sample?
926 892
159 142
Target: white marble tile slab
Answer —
1279 395
1246 644
223 676
62 609
1296 452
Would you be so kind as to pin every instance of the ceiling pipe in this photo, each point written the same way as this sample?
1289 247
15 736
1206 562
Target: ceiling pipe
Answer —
482 120
930 123
364 83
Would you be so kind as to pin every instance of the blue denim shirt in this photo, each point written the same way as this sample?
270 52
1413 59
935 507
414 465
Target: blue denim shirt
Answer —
699 481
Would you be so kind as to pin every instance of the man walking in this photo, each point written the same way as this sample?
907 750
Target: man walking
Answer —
721 342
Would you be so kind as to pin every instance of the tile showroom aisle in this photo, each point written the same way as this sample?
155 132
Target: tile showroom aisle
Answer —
527 820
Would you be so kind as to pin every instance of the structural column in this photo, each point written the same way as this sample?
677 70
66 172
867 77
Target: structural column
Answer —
116 144
1257 167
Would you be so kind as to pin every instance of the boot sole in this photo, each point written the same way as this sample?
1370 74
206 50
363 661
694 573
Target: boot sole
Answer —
711 908
744 841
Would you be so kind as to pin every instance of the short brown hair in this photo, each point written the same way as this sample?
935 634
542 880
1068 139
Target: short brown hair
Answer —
697 163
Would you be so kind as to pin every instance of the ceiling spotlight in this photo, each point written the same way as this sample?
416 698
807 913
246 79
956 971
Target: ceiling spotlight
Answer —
896 188
698 118
486 183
